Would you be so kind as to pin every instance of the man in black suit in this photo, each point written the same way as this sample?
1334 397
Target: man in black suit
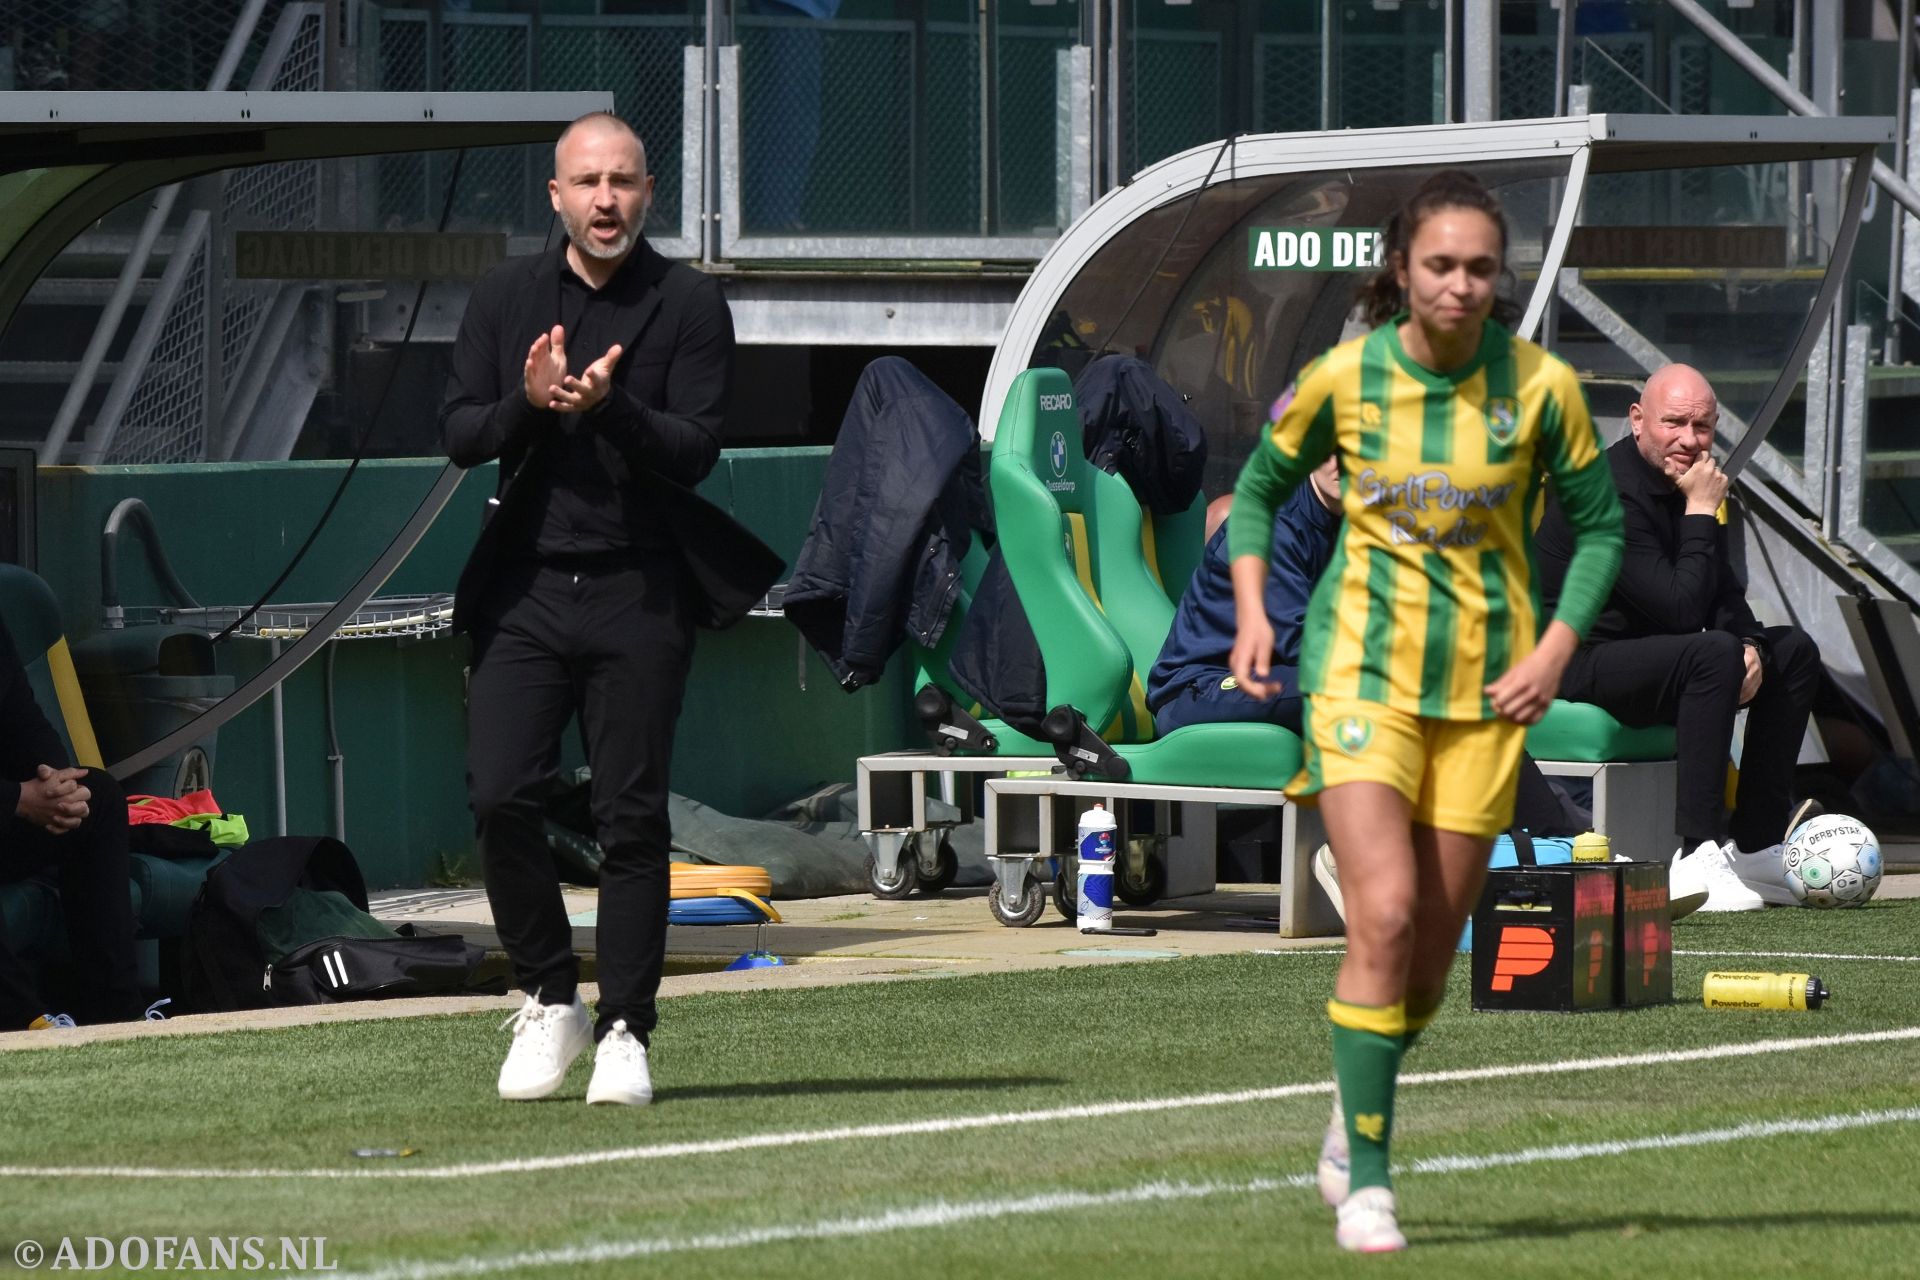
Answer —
1678 644
598 375
74 822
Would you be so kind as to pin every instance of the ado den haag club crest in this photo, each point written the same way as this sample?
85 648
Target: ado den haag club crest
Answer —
1353 733
1503 419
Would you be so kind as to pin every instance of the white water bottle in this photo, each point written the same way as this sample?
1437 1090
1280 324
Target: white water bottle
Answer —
1095 897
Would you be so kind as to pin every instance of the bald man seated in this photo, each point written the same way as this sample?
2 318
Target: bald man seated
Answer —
1678 645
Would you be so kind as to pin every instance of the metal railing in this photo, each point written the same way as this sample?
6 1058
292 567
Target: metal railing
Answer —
164 401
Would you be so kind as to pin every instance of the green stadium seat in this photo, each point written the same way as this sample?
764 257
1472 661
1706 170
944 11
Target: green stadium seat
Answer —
1632 773
1582 731
1072 538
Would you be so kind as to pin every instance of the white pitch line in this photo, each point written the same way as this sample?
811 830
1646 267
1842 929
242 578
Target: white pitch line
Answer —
1798 955
1734 955
941 1213
961 1124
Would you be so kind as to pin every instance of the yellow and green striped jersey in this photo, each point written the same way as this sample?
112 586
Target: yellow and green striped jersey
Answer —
1431 592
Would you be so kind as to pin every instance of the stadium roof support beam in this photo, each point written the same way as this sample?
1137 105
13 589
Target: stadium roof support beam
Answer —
1776 84
1480 44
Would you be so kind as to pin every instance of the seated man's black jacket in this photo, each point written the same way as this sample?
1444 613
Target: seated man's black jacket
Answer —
27 739
1676 575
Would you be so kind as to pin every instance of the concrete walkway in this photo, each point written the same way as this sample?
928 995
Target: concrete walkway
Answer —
825 941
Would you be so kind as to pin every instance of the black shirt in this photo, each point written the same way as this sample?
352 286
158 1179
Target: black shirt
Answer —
608 483
575 510
1676 572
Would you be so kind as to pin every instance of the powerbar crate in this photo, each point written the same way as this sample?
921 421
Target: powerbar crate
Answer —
1643 940
1573 937
1543 938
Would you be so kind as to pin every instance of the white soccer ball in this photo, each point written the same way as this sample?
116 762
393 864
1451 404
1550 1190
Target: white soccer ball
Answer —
1832 861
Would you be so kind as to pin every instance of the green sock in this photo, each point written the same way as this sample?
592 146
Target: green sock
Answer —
1420 1014
1367 1043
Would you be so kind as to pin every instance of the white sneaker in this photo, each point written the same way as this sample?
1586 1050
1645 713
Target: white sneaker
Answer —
1763 871
620 1069
1335 1160
546 1040
1367 1223
1709 867
1687 884
1329 877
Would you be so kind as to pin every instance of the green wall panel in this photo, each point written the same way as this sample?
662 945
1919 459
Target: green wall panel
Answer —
751 736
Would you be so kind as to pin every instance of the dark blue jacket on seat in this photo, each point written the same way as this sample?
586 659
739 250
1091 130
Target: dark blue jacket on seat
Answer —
896 515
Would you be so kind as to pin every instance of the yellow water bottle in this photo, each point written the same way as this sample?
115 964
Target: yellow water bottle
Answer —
1591 846
1763 991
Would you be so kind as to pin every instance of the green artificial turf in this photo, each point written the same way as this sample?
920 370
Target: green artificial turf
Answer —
764 1062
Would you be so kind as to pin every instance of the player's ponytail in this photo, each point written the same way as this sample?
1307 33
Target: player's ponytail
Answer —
1380 298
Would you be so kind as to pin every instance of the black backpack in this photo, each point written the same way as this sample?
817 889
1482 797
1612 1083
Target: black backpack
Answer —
247 946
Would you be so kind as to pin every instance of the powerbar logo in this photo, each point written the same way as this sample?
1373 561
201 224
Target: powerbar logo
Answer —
1524 951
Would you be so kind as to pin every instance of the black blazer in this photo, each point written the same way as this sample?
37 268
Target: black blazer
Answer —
1676 575
658 431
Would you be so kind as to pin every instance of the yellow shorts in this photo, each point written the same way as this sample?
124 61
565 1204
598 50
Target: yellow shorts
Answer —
1459 775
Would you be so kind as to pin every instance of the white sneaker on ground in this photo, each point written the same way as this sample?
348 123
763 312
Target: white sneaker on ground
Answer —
1764 871
1687 884
546 1040
620 1069
1367 1223
1708 867
1329 877
1335 1161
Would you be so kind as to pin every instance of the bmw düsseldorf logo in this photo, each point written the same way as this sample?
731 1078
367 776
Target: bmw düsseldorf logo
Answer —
1057 453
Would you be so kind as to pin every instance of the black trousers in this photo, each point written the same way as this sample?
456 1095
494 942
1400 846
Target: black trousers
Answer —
1203 701
89 864
612 646
1692 682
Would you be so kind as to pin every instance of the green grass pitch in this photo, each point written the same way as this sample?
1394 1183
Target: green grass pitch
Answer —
920 1128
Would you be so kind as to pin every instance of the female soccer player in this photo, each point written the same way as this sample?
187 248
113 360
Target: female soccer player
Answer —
1420 664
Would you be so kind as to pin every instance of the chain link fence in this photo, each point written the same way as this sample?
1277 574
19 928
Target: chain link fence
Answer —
636 58
875 127
1028 153
827 125
114 44
1286 72
177 402
1174 105
166 419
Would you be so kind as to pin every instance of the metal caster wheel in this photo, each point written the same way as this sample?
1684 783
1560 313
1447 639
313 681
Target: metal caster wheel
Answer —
1020 914
1066 894
1144 885
947 866
906 877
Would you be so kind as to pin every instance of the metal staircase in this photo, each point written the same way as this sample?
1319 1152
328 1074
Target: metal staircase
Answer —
179 362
